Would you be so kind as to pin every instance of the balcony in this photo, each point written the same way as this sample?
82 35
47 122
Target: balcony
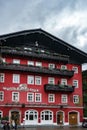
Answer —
58 88
36 53
34 69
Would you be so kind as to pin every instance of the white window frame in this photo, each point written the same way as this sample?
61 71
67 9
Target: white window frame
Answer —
51 80
16 61
64 81
38 64
75 99
51 66
63 67
38 80
2 77
16 78
1 96
51 98
75 83
31 63
31 98
30 79
75 69
15 96
47 116
64 98
1 114
38 97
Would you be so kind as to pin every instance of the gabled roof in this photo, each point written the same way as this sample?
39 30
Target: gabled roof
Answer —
45 39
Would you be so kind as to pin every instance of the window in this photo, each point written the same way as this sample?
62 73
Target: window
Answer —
16 61
51 98
16 78
31 63
1 115
37 80
30 97
1 96
47 116
2 76
75 83
15 96
64 98
63 67
38 64
37 97
76 99
51 66
75 69
64 81
30 80
31 115
51 80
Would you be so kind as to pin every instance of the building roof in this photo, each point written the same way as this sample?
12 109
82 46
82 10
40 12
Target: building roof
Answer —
44 40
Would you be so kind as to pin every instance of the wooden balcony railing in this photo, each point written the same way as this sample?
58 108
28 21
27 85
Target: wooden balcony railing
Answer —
35 69
58 88
36 54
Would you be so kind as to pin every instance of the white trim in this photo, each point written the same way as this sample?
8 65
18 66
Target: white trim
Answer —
17 76
30 79
32 96
40 96
17 97
2 96
46 121
40 80
2 77
53 96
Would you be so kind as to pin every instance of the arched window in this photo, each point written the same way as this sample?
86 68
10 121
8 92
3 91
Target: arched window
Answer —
31 115
46 115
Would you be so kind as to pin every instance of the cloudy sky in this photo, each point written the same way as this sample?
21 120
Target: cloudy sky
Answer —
66 19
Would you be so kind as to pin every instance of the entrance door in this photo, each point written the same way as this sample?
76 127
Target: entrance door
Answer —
59 117
46 117
73 118
15 116
31 117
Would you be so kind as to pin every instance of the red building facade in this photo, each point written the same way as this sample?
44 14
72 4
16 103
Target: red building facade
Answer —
40 79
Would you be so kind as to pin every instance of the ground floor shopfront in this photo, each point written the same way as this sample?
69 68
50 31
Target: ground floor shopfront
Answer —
43 116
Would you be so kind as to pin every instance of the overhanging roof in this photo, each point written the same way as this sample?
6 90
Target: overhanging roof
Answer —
46 40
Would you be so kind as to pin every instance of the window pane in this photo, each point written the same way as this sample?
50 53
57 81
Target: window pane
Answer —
30 97
37 80
1 96
30 79
1 77
51 80
16 78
